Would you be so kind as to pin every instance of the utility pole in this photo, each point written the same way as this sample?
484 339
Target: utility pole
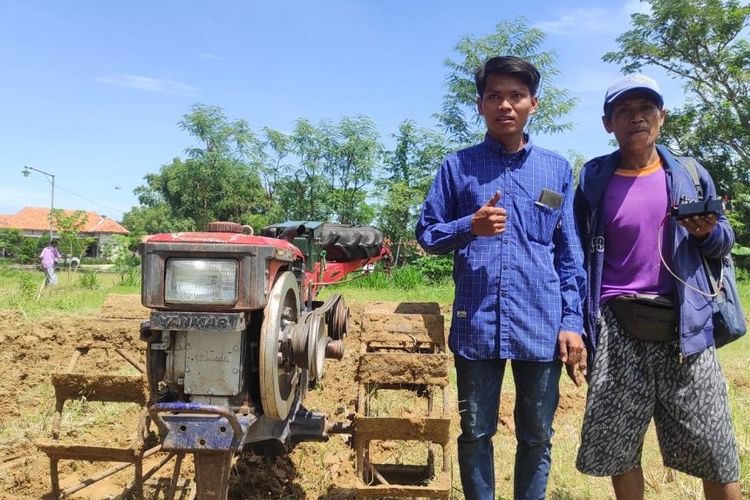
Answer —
26 171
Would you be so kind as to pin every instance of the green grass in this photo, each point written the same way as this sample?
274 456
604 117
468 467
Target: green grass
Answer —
399 287
22 290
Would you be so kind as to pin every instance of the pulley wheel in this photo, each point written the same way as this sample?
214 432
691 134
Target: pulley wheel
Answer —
317 340
338 319
279 377
309 342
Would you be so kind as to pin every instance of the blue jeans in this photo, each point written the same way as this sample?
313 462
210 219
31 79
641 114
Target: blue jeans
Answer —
537 395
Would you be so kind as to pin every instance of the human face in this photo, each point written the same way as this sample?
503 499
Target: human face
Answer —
636 121
506 105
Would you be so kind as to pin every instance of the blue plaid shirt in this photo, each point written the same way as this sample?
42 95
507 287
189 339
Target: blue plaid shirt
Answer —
514 291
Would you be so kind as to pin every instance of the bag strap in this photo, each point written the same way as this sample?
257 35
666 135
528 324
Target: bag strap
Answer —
692 167
716 284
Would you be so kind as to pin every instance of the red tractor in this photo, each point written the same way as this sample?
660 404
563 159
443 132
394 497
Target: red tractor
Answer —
236 336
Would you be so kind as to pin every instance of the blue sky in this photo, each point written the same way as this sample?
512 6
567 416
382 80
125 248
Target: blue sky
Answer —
92 91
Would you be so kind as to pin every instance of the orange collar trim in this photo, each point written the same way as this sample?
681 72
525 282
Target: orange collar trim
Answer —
647 170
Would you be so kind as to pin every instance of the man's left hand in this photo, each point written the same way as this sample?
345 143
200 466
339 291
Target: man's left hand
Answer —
700 226
571 347
577 373
573 354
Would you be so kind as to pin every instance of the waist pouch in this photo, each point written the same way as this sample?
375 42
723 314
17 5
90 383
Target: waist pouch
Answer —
646 317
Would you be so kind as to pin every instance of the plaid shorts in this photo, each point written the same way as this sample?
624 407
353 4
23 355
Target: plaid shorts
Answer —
632 381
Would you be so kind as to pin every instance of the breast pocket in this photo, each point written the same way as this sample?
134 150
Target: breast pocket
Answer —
539 220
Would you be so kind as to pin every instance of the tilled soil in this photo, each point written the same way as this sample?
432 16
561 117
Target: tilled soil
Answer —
33 348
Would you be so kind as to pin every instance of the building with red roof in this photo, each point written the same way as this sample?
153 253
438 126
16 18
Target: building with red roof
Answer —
34 222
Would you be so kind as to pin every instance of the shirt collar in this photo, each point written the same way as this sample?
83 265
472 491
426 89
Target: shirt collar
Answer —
499 149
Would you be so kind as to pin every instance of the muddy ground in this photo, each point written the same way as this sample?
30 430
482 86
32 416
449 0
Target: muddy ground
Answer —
34 348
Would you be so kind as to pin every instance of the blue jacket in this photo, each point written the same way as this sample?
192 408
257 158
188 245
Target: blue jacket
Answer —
695 325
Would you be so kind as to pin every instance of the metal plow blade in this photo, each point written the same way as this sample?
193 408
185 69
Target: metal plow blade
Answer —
104 388
402 427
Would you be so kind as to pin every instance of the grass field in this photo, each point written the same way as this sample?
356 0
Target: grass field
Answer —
22 290
19 290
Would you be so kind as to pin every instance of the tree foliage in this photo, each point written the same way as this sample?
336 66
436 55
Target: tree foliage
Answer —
354 153
704 44
325 169
459 116
68 227
11 241
317 172
154 218
119 250
409 168
218 180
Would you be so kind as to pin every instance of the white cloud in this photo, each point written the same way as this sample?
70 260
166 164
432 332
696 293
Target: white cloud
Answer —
579 20
148 84
213 57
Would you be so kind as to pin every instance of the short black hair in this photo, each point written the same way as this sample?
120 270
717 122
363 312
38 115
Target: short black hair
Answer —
53 242
508 65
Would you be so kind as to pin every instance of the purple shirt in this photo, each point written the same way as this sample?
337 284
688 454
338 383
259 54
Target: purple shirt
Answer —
633 208
48 256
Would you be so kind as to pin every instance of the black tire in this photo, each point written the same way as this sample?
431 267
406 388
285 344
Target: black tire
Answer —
345 243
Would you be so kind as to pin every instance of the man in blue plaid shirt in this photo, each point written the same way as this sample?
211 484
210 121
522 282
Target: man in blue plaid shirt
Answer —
504 208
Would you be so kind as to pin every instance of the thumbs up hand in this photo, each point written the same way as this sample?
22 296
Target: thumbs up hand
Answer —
489 219
493 201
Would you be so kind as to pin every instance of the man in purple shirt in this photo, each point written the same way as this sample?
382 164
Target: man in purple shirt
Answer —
49 255
643 263
504 208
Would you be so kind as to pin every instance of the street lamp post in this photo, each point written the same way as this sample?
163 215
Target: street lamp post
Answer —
26 171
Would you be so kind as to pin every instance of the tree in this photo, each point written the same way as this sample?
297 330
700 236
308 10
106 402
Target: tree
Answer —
68 227
218 180
354 150
119 250
322 172
577 161
153 219
277 147
459 116
30 248
11 241
409 169
303 189
702 43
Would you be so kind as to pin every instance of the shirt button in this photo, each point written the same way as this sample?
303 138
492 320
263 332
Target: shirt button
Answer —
505 267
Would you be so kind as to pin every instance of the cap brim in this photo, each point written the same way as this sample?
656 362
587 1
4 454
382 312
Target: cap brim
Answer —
614 97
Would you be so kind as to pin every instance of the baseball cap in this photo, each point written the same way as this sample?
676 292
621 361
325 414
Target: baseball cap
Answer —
630 83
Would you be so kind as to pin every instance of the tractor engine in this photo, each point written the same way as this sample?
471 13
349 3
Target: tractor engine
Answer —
236 337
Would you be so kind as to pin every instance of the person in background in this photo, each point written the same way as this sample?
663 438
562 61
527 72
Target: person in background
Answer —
504 207
644 270
48 257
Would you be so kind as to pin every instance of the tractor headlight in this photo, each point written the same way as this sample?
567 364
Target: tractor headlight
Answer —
201 281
